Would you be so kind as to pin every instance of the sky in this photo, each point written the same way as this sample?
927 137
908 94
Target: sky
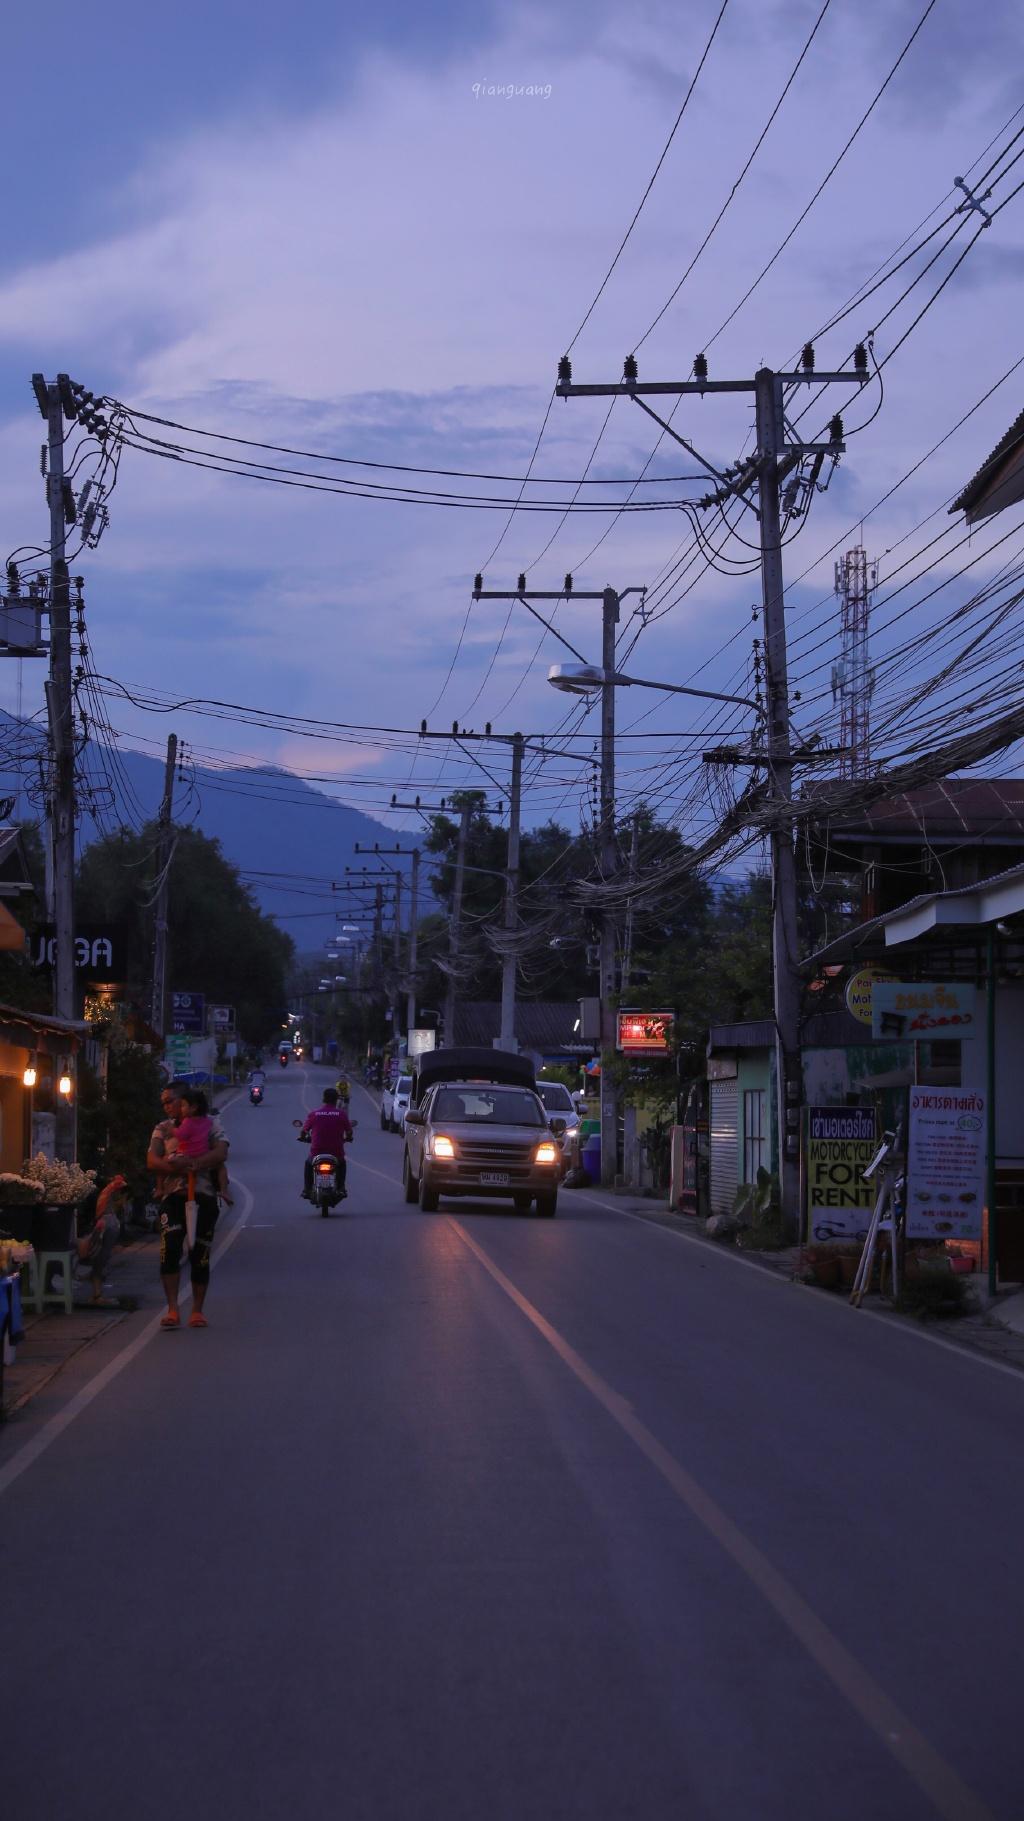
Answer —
371 233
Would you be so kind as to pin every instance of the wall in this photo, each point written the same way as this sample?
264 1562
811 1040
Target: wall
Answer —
754 1071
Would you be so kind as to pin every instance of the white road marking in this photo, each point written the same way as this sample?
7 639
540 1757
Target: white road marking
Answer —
25 1456
951 1798
728 1255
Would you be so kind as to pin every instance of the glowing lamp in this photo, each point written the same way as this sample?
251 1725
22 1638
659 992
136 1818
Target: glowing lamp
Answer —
64 1086
29 1078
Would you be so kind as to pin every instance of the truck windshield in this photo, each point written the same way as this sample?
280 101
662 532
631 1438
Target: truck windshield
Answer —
556 1097
489 1106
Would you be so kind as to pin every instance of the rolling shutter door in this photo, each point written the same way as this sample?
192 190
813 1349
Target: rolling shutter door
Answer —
724 1140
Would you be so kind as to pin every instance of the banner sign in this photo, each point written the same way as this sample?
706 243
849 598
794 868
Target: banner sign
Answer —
644 1033
188 1013
420 1041
222 1018
945 1164
99 950
904 1010
841 1141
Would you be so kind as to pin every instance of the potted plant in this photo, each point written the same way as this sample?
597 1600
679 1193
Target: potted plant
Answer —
20 1197
62 1186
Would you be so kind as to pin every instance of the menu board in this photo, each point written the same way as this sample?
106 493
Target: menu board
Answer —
945 1164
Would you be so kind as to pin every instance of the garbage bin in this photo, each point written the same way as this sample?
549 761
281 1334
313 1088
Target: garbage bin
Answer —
590 1156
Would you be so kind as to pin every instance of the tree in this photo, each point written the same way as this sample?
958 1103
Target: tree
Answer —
219 941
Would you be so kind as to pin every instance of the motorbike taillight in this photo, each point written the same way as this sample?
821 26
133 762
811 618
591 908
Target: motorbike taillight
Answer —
324 1168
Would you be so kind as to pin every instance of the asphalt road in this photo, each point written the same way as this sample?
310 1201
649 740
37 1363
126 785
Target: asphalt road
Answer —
470 1515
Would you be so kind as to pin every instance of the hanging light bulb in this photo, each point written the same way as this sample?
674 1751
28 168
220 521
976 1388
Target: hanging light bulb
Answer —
29 1077
64 1086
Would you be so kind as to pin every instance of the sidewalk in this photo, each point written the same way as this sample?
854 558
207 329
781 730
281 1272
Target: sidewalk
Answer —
53 1338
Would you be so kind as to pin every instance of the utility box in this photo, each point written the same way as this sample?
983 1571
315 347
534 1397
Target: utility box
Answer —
21 632
590 1020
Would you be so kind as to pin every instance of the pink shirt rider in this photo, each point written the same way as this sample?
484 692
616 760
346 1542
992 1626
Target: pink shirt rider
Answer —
329 1130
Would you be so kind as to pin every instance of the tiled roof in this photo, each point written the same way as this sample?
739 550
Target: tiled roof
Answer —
974 488
977 809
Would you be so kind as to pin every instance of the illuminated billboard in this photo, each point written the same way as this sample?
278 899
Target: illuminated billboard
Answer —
644 1033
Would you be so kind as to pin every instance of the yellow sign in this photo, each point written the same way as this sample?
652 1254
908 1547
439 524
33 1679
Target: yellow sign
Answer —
859 989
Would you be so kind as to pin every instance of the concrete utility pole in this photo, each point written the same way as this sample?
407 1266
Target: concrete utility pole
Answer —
455 929
414 893
159 997
61 805
773 459
634 870
610 600
507 1035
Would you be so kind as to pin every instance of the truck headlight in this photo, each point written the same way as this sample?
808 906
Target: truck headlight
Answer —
443 1147
546 1152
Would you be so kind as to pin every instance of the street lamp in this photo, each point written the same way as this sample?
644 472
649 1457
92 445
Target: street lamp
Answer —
588 679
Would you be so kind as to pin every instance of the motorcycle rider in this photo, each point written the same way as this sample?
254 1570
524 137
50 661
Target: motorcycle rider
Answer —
257 1078
328 1129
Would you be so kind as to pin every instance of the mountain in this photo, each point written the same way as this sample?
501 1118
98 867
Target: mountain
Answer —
282 833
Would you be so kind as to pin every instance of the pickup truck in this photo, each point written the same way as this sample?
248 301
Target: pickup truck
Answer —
476 1127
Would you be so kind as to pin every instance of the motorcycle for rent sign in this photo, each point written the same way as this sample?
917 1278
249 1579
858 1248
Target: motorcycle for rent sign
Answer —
945 1164
841 1141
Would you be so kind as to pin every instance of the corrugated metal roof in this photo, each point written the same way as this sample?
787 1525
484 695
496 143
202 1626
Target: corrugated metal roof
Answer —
540 1024
980 809
976 487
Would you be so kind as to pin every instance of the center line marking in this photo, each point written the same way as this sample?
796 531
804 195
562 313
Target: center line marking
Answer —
950 1796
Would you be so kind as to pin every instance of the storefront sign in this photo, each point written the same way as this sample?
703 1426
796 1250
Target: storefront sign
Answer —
860 990
222 1018
945 1164
906 1009
644 1033
99 950
421 1041
188 1013
841 1141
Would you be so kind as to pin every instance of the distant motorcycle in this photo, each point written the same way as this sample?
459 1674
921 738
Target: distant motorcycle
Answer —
283 1060
255 1095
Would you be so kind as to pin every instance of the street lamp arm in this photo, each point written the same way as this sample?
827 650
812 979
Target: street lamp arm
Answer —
683 689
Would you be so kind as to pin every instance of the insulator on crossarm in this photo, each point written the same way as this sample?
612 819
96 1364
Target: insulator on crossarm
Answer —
630 372
568 583
700 366
478 582
521 584
860 358
565 371
835 429
807 357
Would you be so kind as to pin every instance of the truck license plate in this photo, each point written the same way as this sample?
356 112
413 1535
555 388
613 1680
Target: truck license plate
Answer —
494 1179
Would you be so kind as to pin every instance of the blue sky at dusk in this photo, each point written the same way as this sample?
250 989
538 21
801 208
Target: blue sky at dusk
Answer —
303 225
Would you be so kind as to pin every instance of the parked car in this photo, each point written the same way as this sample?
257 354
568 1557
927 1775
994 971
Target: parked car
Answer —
478 1127
394 1104
559 1102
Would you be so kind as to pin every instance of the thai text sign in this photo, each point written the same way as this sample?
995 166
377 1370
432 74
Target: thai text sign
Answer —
841 1141
644 1033
903 1010
945 1164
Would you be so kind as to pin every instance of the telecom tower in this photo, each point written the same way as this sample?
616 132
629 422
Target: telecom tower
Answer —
853 680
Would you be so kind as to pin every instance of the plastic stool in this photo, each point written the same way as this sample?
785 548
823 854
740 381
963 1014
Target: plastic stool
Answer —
38 1294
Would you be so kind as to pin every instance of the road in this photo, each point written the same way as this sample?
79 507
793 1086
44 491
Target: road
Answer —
476 1516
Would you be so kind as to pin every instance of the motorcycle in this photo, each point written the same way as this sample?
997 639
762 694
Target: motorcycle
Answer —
328 1184
255 1095
283 1060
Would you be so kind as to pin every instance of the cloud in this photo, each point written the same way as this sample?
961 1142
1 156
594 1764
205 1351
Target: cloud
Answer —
394 272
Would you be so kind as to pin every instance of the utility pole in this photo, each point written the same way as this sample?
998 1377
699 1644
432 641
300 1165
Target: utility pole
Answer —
773 460
507 1037
61 805
634 870
412 853
610 599
455 930
159 998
